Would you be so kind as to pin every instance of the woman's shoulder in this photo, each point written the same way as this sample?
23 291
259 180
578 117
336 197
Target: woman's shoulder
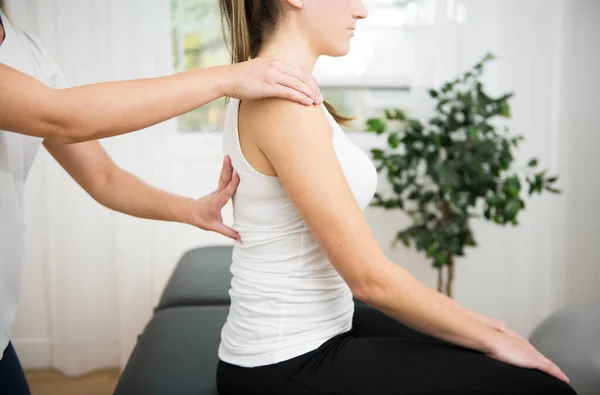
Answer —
268 114
274 107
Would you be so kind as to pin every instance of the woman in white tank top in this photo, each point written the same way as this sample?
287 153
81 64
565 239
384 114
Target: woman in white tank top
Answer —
307 250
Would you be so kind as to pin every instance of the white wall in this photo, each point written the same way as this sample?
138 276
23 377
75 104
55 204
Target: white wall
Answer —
577 150
546 55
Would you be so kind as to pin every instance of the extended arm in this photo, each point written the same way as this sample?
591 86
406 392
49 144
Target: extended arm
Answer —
100 110
113 187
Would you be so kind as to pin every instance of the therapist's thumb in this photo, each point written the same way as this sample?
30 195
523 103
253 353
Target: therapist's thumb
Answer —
225 230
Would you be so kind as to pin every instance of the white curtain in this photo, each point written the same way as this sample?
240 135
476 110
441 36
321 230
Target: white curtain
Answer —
88 286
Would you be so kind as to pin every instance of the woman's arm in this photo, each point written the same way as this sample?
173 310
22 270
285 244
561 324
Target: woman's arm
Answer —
95 111
303 157
113 187
305 161
493 323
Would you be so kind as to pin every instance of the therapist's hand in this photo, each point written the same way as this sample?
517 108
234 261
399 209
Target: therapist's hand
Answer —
205 212
272 77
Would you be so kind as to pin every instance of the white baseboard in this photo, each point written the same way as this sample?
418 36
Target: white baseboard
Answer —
34 353
78 359
73 360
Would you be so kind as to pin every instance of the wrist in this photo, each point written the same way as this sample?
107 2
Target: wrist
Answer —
479 317
183 211
225 78
488 340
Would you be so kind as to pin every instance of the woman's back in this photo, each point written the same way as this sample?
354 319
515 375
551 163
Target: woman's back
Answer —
286 297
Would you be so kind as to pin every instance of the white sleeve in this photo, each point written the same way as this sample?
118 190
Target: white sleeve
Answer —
55 75
52 74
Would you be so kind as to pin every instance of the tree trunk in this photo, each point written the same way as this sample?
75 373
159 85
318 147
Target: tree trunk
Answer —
440 283
450 276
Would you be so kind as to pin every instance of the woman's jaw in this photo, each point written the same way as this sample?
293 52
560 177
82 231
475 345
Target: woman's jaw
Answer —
296 38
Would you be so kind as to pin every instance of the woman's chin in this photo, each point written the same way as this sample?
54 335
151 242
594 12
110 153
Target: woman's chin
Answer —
338 51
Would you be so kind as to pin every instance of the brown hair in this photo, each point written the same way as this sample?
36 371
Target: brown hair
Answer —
3 7
248 23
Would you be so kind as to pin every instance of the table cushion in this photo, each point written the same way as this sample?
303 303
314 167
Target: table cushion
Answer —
176 354
201 277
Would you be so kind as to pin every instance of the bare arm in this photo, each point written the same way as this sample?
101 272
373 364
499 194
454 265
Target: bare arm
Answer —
113 187
493 323
95 111
322 195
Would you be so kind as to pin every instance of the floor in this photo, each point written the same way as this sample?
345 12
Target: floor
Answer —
49 382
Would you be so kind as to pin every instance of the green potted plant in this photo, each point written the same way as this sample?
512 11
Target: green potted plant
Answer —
456 167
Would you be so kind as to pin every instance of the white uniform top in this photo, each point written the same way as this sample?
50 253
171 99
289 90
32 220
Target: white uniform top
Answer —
286 297
20 50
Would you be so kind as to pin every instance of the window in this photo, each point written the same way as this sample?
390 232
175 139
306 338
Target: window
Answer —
374 75
197 43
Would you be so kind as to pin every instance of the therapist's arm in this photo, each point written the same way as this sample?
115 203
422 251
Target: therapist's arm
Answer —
100 110
91 167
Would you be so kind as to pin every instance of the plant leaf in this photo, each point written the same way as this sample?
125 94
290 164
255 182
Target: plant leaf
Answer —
376 125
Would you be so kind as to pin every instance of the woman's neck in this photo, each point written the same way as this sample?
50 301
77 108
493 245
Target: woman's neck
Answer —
288 44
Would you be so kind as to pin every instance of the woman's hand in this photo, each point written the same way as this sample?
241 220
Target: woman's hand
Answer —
272 77
519 352
512 348
206 211
500 326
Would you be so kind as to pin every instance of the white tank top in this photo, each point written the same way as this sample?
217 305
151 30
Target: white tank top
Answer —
286 297
20 50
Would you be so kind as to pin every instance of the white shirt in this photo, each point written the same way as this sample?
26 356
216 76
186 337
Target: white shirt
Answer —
20 50
286 297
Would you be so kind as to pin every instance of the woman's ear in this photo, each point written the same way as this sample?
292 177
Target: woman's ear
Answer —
295 3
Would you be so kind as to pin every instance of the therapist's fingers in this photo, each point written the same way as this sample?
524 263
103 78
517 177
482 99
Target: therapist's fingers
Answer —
297 88
227 193
265 77
296 76
298 85
226 173
225 230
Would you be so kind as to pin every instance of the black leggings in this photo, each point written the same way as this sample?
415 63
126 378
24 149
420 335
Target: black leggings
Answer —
12 377
382 357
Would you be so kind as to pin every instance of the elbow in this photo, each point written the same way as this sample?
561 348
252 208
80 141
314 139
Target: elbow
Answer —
74 132
67 139
60 130
68 134
69 129
369 289
61 122
377 285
